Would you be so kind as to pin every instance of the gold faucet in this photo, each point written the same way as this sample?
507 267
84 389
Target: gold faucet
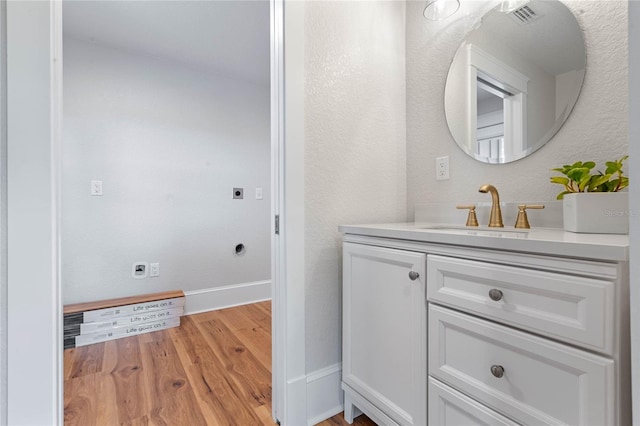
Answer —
495 220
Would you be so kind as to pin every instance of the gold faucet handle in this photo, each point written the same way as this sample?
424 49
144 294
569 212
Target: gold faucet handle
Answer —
472 220
522 221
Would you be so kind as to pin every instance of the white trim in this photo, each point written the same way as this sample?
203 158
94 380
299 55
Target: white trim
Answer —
34 110
515 123
295 402
56 195
278 267
497 69
289 382
211 299
325 397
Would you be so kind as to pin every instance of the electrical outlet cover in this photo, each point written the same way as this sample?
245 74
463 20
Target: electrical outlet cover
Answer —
140 270
442 168
96 187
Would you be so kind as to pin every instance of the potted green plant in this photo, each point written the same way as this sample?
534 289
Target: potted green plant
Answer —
592 201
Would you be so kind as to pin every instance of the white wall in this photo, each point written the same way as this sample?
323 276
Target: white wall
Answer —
354 146
596 129
169 143
634 224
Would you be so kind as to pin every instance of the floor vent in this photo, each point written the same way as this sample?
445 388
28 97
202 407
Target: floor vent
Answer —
95 322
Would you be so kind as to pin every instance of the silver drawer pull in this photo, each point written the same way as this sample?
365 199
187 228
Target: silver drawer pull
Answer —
497 371
413 275
495 294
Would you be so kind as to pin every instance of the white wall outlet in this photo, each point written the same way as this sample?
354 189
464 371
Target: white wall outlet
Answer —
154 269
140 270
442 168
96 187
258 193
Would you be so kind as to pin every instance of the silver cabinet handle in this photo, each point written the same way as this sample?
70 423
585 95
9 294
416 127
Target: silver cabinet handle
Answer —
495 294
497 371
413 275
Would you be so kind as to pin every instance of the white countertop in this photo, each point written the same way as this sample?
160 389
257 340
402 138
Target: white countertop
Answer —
548 241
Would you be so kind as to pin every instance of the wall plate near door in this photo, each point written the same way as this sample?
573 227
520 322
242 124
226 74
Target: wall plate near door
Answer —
140 270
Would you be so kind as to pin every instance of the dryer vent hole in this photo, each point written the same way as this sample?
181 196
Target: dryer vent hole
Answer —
240 250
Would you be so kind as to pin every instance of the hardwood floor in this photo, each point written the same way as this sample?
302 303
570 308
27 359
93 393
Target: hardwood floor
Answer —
215 369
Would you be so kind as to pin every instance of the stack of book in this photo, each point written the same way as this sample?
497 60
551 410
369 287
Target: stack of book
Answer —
95 322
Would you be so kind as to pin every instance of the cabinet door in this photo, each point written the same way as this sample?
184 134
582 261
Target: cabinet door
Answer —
384 329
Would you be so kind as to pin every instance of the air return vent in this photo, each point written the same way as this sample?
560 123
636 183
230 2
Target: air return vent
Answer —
525 15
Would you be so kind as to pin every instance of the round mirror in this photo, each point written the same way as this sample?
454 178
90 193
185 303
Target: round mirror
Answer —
514 80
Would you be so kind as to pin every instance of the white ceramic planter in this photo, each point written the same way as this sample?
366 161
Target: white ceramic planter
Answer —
596 212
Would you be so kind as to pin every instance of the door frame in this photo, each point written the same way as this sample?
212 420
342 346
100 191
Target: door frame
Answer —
289 345
287 149
34 308
35 357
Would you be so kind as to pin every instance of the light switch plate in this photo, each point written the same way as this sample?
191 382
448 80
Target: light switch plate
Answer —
154 269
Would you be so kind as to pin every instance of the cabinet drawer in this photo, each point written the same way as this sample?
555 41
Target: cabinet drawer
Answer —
573 309
543 382
448 407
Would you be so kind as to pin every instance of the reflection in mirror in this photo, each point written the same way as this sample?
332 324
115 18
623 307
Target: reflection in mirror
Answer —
490 133
514 80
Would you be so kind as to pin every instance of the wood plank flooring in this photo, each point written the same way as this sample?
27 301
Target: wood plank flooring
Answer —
215 369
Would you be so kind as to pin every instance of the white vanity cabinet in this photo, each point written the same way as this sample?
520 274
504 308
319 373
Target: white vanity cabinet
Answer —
384 334
515 337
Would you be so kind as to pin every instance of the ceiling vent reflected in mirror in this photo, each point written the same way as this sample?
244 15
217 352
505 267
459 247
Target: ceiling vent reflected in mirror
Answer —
508 6
525 15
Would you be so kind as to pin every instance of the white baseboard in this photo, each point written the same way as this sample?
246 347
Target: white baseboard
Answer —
325 397
210 299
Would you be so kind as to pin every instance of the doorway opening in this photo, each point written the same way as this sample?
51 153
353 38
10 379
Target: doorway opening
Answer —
166 162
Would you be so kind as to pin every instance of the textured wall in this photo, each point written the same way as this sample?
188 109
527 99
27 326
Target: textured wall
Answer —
354 145
596 129
169 143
